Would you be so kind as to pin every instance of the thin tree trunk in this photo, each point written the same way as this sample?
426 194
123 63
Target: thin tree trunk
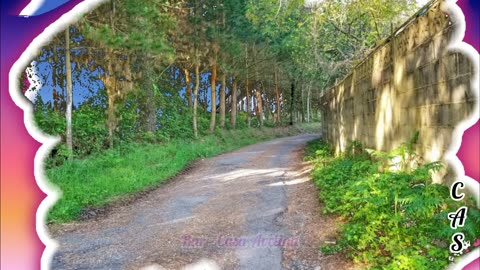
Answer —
259 111
277 96
247 91
222 100
195 99
292 103
213 91
308 103
302 103
112 85
149 115
233 112
68 113
204 103
188 93
111 119
248 101
56 98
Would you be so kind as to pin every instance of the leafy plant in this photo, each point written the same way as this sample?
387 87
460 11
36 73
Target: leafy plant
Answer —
354 148
393 219
330 249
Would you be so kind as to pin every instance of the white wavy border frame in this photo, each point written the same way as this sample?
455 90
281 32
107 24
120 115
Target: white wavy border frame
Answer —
31 8
457 45
48 142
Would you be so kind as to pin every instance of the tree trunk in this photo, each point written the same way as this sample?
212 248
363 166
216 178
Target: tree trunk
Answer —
302 102
308 103
195 99
222 100
149 114
188 93
111 118
204 102
56 98
277 97
213 91
247 91
292 103
112 85
233 112
248 102
259 110
68 112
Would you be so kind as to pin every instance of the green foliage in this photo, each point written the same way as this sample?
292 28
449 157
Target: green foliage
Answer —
142 49
318 149
354 148
394 220
330 249
134 25
47 119
90 133
132 167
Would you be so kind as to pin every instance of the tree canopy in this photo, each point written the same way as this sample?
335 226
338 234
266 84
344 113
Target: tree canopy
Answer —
166 68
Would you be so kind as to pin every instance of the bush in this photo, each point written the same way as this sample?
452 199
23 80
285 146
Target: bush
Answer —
394 220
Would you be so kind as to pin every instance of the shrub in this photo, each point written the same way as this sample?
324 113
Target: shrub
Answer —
394 220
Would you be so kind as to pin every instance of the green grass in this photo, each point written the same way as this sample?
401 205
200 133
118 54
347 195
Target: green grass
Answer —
97 180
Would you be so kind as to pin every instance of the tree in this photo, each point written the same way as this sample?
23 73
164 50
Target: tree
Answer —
68 112
233 111
223 85
213 88
152 55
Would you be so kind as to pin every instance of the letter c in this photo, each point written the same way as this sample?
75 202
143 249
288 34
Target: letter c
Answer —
453 191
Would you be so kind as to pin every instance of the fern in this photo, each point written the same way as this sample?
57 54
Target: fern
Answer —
390 217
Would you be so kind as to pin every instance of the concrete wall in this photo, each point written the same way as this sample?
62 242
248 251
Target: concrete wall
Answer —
411 83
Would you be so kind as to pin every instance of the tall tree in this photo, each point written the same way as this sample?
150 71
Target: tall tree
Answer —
277 98
247 85
213 88
259 107
195 99
223 85
68 111
188 89
233 111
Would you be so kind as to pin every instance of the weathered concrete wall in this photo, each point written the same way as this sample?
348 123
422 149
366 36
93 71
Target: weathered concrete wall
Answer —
411 83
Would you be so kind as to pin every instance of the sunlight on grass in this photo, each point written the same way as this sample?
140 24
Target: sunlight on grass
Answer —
130 168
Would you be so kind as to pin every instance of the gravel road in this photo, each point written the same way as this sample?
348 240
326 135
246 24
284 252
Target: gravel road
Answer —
253 208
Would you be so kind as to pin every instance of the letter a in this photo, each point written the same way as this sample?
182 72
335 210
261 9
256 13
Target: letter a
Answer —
458 218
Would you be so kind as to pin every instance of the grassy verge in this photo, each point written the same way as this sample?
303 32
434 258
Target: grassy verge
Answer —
393 220
97 180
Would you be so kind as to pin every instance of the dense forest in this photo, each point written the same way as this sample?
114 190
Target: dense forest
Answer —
147 71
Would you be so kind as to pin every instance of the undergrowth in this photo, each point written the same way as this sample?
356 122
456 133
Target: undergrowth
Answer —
393 219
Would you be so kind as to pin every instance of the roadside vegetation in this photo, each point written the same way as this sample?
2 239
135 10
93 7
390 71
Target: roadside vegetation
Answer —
101 178
132 71
392 219
138 89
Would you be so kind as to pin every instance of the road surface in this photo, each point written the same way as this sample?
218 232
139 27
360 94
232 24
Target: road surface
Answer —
253 208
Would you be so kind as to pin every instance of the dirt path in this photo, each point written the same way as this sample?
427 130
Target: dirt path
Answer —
253 208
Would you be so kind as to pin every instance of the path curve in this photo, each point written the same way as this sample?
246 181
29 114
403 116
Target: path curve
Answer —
253 208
